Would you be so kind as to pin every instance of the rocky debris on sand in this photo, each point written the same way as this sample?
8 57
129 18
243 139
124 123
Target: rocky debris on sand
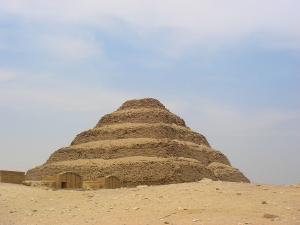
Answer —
270 216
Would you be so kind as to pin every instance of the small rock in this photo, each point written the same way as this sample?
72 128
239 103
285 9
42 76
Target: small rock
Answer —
238 193
217 189
34 210
195 220
166 222
135 208
180 208
263 202
270 216
12 211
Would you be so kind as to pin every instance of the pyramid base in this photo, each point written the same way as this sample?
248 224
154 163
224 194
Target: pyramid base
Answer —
133 171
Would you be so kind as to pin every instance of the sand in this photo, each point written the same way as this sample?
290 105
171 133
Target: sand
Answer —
205 202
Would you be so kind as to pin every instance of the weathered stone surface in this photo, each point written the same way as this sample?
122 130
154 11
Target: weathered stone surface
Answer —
15 177
111 149
140 130
141 115
227 173
132 171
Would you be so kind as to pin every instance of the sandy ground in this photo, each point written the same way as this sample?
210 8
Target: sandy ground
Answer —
205 202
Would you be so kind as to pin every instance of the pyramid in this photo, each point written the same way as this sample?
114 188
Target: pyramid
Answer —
141 143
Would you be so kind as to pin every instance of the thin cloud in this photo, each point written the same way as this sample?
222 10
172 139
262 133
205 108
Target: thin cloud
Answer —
190 21
69 48
61 96
6 75
218 119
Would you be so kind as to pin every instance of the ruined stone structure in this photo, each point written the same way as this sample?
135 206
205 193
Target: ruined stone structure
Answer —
140 143
68 180
108 182
14 177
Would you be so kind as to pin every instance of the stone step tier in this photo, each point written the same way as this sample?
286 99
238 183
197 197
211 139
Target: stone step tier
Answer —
140 130
141 115
110 149
141 170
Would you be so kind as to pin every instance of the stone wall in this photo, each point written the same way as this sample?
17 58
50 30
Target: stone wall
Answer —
93 184
108 182
14 177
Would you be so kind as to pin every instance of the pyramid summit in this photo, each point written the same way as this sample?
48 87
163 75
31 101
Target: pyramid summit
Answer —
142 142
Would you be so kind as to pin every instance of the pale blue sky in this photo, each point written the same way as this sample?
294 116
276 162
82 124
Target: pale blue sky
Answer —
231 69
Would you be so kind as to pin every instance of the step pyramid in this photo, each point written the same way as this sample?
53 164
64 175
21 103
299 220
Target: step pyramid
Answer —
142 142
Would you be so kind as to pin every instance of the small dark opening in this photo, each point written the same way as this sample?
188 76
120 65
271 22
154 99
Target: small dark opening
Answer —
63 184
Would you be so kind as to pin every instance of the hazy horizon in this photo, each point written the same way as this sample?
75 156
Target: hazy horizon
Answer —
230 69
